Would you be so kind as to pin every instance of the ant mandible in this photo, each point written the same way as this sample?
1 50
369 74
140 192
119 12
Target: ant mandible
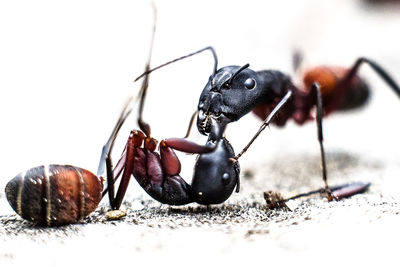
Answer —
233 91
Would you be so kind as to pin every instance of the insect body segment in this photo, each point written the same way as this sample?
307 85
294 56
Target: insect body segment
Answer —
216 175
54 194
231 99
331 79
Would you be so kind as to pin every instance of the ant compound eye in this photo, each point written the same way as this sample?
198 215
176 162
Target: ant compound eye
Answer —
250 83
225 178
225 85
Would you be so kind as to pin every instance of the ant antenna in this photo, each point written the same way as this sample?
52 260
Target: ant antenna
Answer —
237 72
107 148
105 158
145 127
183 57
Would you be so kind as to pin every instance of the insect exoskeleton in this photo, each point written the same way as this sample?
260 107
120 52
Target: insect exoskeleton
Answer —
54 194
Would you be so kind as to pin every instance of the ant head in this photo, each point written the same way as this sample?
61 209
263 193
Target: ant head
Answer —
230 93
215 175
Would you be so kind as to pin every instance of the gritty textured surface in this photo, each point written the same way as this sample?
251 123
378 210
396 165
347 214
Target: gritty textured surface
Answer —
63 91
242 225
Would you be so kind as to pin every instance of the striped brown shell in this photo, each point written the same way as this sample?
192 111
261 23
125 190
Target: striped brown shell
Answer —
54 194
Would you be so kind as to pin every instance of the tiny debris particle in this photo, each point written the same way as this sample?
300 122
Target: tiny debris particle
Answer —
275 200
113 215
248 174
252 232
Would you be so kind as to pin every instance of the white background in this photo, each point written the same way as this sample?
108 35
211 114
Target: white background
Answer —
66 69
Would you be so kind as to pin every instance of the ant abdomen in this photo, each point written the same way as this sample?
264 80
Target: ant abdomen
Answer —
54 194
356 94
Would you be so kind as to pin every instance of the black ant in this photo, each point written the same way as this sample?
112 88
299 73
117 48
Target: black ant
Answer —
233 91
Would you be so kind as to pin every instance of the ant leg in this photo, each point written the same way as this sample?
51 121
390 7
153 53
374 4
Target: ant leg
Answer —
266 123
135 140
378 69
344 83
116 172
315 88
187 146
275 200
159 174
110 182
106 150
105 158
349 190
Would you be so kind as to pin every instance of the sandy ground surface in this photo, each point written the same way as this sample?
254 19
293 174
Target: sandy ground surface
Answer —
361 146
362 229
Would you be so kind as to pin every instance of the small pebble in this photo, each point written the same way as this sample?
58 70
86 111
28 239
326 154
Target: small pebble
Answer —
115 215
